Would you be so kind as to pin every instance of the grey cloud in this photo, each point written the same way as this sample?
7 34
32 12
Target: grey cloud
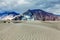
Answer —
34 4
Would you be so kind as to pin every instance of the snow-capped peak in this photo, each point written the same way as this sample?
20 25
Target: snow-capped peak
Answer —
8 17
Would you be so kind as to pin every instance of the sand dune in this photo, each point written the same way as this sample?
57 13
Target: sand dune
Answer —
30 31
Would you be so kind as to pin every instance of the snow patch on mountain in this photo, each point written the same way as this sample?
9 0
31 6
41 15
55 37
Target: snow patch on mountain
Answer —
8 17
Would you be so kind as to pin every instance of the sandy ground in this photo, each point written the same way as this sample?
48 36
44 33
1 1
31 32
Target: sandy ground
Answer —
30 31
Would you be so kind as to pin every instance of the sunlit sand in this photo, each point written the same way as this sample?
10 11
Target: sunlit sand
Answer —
33 30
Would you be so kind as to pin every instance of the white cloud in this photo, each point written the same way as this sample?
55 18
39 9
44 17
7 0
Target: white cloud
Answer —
55 9
22 2
3 4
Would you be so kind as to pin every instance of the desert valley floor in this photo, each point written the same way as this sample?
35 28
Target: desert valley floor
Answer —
30 31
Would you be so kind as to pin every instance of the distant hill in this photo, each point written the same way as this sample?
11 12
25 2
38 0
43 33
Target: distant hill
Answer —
37 14
7 15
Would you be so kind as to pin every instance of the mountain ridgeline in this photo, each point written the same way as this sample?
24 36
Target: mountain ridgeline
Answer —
8 15
35 14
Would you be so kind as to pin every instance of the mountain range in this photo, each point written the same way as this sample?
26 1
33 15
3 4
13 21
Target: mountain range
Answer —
35 14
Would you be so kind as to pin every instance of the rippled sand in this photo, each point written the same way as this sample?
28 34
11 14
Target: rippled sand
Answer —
30 31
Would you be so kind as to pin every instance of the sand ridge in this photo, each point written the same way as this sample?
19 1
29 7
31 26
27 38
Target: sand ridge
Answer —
29 31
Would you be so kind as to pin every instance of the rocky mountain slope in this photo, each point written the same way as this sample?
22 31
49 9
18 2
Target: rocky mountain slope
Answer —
36 14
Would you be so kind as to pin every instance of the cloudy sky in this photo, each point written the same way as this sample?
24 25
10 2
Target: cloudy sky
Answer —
20 6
